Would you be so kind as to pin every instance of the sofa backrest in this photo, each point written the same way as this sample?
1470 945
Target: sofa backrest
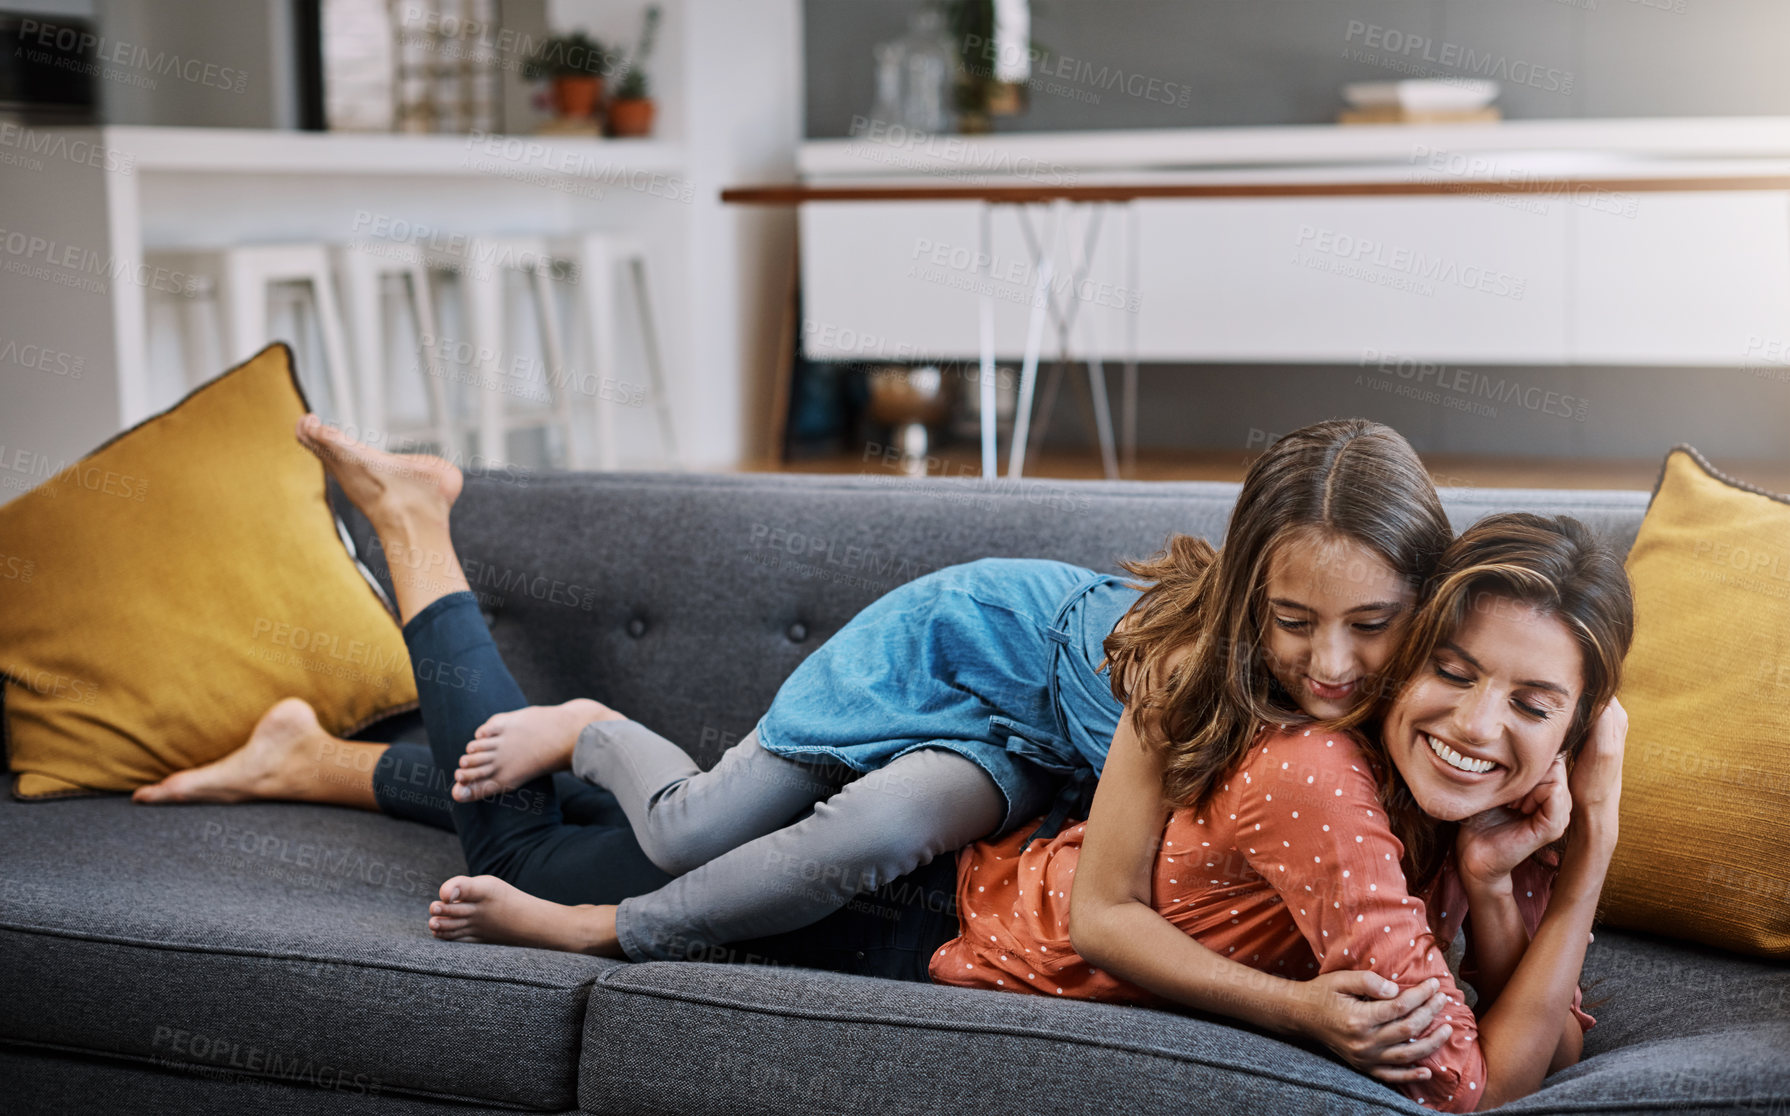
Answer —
684 600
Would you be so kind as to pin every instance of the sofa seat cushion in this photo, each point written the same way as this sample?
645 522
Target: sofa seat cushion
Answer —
1680 1029
667 1037
273 940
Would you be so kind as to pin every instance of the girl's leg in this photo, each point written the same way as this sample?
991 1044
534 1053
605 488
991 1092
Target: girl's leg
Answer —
683 816
877 828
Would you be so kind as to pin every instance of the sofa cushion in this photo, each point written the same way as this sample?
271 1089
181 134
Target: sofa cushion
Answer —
666 1037
49 1083
176 582
1707 783
1680 1029
278 941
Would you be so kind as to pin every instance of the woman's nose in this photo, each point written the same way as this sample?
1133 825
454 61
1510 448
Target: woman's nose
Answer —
1476 716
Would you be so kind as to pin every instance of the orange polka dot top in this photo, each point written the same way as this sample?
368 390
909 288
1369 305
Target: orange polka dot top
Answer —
1291 868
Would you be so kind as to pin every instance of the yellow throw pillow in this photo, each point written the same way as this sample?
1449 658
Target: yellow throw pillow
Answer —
1704 848
157 596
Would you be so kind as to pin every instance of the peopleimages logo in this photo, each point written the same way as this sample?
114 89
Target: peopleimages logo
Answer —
1397 49
74 41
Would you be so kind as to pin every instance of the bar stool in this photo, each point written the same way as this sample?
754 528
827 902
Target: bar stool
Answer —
240 280
597 255
365 273
482 270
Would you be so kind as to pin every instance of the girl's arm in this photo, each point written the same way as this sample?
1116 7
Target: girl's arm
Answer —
1114 926
1518 1054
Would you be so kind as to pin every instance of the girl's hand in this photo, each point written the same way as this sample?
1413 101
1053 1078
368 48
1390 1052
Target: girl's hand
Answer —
1490 844
1355 1013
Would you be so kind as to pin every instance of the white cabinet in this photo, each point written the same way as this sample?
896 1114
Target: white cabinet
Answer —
1328 279
1683 278
1597 276
903 280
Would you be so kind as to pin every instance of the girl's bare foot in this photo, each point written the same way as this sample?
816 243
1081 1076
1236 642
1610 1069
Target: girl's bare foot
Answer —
486 909
287 757
511 748
389 488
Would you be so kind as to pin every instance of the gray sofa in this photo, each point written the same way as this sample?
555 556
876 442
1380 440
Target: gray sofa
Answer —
274 958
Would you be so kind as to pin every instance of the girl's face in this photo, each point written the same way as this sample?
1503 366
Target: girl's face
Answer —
1336 612
1480 724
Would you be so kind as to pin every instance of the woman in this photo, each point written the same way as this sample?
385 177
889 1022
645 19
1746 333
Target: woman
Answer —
1502 735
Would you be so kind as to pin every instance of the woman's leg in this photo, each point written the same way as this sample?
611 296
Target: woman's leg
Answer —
290 757
406 784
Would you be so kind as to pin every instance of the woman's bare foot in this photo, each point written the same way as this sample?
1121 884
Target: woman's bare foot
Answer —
486 909
511 748
286 757
386 487
406 497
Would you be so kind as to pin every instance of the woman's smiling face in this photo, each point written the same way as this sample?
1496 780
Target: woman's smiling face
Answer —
1480 724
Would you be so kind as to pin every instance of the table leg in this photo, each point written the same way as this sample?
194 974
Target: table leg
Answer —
986 329
1028 375
1103 420
1128 428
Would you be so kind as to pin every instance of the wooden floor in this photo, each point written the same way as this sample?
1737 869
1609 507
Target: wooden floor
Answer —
1446 469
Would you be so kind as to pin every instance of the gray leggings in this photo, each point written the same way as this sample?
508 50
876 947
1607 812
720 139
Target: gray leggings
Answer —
746 867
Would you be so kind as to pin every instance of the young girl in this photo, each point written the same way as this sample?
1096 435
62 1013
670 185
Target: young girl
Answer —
960 704
1293 852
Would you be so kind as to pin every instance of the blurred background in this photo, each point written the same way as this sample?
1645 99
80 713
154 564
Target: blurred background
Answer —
1134 238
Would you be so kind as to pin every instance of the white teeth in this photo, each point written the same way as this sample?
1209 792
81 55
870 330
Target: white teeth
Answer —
1455 759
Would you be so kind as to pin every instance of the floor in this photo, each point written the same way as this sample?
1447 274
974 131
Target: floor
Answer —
1446 469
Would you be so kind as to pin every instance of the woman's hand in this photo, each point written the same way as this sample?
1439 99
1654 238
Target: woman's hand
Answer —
1355 1014
1490 844
1596 786
1596 782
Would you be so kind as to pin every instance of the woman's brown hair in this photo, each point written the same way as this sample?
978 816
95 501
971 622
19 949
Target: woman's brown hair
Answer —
1346 478
1553 564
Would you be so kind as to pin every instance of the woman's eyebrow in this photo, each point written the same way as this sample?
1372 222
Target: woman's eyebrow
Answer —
1532 683
1551 687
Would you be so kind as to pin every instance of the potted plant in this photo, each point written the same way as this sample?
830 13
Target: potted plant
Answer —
576 64
631 111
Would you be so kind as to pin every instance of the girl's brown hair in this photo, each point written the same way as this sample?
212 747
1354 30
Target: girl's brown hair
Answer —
1551 563
1350 478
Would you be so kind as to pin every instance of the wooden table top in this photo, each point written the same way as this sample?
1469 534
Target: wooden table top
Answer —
797 193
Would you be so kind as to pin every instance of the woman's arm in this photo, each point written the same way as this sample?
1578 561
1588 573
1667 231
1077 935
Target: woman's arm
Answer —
1517 1053
1491 850
1497 938
1115 927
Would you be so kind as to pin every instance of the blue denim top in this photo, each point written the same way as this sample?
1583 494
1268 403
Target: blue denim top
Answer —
993 659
